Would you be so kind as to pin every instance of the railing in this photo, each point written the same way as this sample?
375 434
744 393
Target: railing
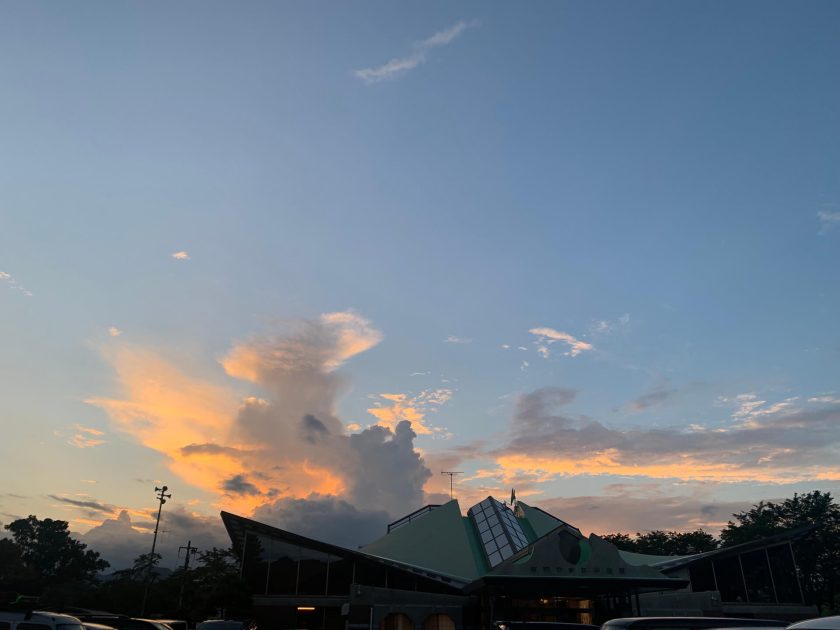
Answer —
405 520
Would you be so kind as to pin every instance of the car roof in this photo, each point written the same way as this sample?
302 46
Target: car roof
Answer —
818 623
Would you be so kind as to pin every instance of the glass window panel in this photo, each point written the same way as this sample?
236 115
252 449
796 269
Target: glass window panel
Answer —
486 536
506 551
255 562
496 529
491 546
312 578
282 573
485 503
495 558
480 517
340 576
483 527
702 577
370 573
493 520
757 576
784 574
730 579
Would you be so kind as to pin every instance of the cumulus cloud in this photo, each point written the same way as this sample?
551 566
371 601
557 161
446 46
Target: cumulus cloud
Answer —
391 409
182 255
287 443
400 65
548 336
120 539
783 445
326 518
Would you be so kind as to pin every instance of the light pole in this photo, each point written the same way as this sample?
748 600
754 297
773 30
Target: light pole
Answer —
161 497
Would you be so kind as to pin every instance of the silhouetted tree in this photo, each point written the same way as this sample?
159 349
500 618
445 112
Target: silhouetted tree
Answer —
662 543
46 549
817 553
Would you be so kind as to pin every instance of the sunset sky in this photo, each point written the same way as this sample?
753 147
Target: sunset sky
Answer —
295 259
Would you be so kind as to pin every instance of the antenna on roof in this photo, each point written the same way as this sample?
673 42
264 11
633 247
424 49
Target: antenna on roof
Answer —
451 474
512 497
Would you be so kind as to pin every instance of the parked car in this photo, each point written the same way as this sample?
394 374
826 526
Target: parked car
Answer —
818 623
543 625
226 624
688 623
37 620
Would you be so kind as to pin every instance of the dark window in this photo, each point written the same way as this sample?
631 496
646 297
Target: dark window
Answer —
5 625
282 573
702 577
757 576
312 578
401 580
28 625
730 580
569 547
340 577
784 574
370 574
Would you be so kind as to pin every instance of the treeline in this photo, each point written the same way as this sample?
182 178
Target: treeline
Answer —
817 551
42 559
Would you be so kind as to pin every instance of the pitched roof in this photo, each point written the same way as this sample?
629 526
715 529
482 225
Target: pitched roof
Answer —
441 541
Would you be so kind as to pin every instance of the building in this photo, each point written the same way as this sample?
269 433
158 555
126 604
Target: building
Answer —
436 569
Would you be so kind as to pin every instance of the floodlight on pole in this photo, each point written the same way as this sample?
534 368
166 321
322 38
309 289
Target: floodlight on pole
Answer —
160 494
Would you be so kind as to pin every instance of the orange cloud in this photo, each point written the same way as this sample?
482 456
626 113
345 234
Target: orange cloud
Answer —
412 408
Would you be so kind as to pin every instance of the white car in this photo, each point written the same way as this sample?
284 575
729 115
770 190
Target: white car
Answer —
819 623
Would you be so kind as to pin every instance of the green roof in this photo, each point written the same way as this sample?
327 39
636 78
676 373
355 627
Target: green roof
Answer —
538 521
441 541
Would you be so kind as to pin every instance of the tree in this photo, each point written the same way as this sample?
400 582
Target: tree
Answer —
817 552
46 549
662 543
215 583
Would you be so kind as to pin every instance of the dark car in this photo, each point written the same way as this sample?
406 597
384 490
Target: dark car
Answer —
543 625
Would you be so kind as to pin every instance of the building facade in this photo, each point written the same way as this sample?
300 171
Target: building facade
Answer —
436 569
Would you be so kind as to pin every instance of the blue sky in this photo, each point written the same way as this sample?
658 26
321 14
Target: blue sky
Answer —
657 181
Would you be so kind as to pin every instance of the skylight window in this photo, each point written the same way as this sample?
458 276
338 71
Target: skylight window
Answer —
500 533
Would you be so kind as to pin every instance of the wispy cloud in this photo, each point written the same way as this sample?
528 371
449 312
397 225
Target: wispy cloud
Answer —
454 339
400 65
14 284
548 336
606 326
86 437
113 331
828 220
182 255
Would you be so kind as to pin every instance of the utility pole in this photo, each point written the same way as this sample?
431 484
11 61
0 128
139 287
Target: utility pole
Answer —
161 497
190 551
451 474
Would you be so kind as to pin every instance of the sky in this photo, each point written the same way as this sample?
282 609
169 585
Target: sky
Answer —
295 260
